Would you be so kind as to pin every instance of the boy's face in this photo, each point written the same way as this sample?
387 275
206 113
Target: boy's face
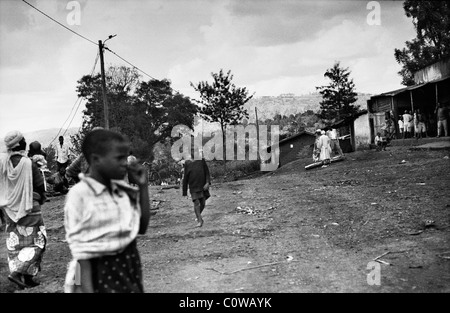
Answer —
113 165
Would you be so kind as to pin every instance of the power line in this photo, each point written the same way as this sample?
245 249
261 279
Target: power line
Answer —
59 131
61 24
79 102
73 116
134 66
130 63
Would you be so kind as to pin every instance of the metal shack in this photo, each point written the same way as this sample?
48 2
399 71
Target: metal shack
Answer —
432 85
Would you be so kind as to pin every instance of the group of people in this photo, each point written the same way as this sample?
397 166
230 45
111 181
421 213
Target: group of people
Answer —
103 214
411 125
414 124
326 144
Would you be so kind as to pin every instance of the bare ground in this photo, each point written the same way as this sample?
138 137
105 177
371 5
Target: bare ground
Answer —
311 231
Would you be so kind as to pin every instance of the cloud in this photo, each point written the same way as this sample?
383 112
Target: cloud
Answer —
267 23
298 66
271 47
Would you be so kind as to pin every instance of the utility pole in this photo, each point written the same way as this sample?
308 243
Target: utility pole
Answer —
257 137
105 100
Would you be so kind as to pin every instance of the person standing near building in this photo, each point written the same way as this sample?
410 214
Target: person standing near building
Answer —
407 124
334 137
62 154
420 127
325 149
316 150
400 127
441 119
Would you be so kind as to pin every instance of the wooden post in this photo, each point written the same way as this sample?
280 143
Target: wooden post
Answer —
437 95
394 117
105 100
257 137
412 102
352 135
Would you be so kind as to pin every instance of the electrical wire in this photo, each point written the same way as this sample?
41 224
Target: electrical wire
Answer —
61 24
75 104
73 116
91 41
134 66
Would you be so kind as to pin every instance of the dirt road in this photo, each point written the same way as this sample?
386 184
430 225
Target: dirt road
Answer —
308 231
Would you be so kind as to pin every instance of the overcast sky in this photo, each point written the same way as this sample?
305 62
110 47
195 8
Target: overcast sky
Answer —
271 47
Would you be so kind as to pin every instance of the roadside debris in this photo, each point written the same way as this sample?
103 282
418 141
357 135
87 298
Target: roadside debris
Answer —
334 224
444 255
249 268
170 187
377 259
155 205
429 223
247 210
414 233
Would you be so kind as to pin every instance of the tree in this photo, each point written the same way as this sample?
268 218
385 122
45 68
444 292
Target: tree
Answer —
431 20
222 102
144 111
338 96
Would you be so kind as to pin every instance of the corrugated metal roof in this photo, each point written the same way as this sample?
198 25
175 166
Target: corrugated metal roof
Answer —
304 132
398 91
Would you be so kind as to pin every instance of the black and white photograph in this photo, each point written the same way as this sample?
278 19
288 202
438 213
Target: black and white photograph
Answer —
220 153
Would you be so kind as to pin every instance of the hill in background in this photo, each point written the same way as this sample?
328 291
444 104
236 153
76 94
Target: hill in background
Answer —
287 104
44 136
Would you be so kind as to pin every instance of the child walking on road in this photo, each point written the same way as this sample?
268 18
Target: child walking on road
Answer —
196 176
103 216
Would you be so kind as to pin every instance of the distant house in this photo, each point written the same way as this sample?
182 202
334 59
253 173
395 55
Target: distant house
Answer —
432 85
290 147
359 137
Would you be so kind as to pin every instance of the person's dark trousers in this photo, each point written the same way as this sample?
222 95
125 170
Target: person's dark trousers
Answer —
61 165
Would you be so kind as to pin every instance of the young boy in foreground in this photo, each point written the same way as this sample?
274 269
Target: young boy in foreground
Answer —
103 216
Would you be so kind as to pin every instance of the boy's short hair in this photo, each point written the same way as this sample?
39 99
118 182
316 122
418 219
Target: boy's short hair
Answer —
99 142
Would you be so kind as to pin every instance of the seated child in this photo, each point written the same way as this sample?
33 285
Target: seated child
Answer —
381 142
59 181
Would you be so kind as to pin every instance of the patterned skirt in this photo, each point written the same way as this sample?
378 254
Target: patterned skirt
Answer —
119 273
25 242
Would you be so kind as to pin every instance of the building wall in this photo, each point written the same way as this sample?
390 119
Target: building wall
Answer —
434 71
362 132
289 150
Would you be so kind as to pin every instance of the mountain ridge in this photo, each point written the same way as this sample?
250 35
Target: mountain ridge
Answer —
45 136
